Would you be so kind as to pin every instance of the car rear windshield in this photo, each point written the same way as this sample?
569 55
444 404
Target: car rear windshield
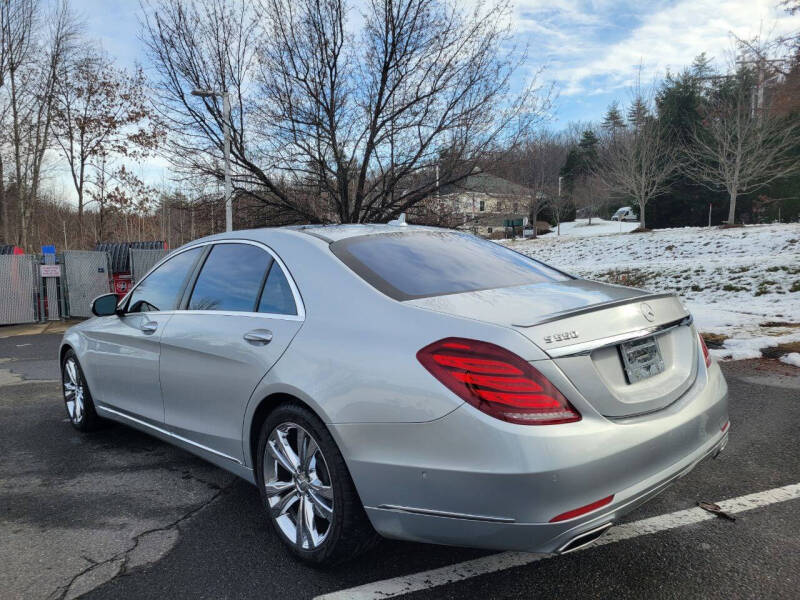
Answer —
419 264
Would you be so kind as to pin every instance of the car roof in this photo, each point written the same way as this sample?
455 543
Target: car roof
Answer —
324 233
334 233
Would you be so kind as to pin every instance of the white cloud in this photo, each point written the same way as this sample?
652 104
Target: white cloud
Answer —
603 43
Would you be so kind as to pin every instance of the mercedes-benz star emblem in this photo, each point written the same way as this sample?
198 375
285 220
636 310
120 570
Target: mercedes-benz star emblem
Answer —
648 311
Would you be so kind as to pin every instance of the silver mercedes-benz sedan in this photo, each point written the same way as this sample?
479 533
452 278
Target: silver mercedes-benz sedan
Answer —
417 383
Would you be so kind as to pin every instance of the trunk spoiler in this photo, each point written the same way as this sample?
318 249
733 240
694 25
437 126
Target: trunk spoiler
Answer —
594 307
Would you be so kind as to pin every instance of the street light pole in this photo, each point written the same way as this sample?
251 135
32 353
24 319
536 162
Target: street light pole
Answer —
226 103
226 117
558 208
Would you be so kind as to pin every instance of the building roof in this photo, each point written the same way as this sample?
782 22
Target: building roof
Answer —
486 183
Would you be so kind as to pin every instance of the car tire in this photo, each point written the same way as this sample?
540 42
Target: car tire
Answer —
302 477
77 397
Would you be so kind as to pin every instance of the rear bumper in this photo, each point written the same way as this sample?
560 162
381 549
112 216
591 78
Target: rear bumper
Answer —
534 537
470 480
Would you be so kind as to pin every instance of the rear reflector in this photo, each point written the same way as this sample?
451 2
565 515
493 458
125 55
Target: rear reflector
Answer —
497 382
724 428
706 355
577 512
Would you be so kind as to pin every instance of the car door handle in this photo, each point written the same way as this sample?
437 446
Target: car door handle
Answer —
149 327
258 337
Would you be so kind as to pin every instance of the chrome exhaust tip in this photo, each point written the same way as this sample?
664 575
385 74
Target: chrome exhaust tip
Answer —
721 447
584 539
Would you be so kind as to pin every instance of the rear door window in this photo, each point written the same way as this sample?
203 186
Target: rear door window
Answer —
231 278
421 264
277 296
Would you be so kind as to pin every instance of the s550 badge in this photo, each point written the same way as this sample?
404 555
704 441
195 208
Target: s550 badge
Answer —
560 337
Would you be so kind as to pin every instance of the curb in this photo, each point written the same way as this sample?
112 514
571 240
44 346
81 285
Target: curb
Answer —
50 327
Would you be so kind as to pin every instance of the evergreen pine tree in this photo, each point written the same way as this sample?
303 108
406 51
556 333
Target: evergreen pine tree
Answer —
613 120
701 66
638 112
587 149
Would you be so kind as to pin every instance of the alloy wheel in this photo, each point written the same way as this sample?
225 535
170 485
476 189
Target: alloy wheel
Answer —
73 390
298 486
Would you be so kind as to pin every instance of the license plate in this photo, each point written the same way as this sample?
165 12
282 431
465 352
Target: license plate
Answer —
641 358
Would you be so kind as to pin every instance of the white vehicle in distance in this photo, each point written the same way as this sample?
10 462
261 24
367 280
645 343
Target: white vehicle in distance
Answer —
625 213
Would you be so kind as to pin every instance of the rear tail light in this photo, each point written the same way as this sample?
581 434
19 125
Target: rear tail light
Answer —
497 382
706 355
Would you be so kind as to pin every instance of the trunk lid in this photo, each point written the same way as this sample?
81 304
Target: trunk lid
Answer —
581 325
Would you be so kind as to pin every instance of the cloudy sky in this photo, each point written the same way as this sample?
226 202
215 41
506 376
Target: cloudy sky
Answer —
593 50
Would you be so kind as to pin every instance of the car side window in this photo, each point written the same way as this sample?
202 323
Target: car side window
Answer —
231 278
160 289
277 296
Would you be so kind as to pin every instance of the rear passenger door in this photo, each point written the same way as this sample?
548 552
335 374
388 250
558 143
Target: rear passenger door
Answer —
239 315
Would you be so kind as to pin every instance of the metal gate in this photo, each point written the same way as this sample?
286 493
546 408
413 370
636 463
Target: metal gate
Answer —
50 286
19 286
87 276
144 260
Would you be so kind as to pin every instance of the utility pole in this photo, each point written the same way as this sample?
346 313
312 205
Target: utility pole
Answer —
558 210
226 117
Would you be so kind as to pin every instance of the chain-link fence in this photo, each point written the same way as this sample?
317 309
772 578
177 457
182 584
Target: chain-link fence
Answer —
143 260
28 295
86 277
19 288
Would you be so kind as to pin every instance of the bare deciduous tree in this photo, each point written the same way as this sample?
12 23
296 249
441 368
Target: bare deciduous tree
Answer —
591 193
17 20
34 56
739 149
101 112
638 162
116 189
542 160
335 125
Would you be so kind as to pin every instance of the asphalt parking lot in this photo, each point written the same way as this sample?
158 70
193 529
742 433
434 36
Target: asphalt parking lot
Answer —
117 514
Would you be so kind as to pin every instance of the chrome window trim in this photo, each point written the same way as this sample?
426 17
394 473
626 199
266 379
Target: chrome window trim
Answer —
227 313
167 433
298 299
584 348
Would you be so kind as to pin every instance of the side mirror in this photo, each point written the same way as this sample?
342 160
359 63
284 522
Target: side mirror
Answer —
105 305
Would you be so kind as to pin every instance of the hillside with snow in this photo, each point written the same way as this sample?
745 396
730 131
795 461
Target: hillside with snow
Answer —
582 228
741 284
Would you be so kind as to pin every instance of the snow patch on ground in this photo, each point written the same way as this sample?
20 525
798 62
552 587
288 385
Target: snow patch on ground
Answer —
742 284
581 228
791 359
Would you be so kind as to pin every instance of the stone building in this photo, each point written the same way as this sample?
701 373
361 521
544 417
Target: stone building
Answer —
483 203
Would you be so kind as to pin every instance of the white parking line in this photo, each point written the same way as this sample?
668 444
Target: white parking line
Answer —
405 584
